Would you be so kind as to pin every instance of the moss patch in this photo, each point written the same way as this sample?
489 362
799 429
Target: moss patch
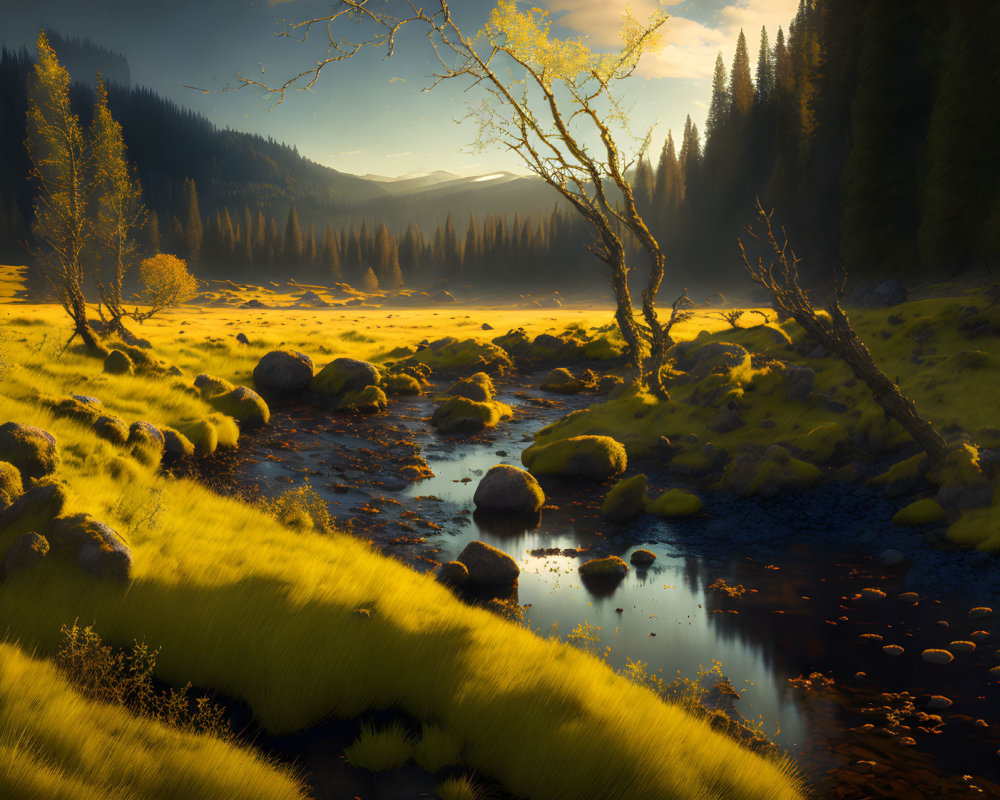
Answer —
675 503
627 499
462 415
593 457
921 514
823 444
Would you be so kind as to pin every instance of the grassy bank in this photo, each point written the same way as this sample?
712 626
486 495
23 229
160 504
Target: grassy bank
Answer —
238 603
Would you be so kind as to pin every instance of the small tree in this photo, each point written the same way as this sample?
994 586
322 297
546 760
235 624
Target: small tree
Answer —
61 158
780 278
553 103
167 284
121 214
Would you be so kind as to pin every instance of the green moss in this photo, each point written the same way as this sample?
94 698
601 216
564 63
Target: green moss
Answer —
979 528
627 499
921 514
33 511
452 355
908 472
609 567
210 386
602 349
202 434
10 484
462 415
823 443
369 400
694 461
961 465
768 474
244 405
344 375
675 503
402 384
971 359
562 381
592 457
478 387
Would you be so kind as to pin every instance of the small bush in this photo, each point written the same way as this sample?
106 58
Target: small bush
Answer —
126 678
378 750
436 749
301 508
461 788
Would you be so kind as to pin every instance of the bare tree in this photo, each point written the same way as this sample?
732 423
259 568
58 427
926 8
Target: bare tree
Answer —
555 104
780 278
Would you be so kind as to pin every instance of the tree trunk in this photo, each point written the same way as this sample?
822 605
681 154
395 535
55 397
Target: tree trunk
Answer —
624 314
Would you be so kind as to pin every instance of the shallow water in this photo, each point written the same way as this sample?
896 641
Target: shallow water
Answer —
801 560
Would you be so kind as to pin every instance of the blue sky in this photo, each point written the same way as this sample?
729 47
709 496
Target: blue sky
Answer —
371 115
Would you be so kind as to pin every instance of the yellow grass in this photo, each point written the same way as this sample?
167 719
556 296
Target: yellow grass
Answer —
241 604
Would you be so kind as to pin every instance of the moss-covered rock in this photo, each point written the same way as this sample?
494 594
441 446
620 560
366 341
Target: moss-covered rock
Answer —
902 477
244 405
767 474
562 381
626 500
118 362
26 551
507 489
478 387
30 449
210 386
694 460
369 400
75 408
608 568
642 558
675 503
34 510
596 458
11 486
971 359
823 444
176 445
93 545
601 348
453 573
921 514
344 375
146 436
960 478
462 415
202 434
283 371
402 384
111 428
488 566
515 342
451 355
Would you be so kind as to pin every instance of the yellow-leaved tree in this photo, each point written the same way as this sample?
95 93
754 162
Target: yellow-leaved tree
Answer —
167 284
553 102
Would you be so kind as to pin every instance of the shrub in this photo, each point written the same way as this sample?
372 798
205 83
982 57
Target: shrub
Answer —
378 750
301 508
461 788
436 749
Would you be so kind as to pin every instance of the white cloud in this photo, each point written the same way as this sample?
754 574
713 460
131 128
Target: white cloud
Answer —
689 47
348 153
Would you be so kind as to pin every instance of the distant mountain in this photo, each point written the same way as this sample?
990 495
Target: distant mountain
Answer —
83 59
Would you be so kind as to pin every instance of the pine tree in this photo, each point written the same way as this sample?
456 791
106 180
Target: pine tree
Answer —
60 166
247 239
643 185
121 213
740 85
153 237
718 111
193 228
293 246
473 246
765 70
451 256
784 96
331 255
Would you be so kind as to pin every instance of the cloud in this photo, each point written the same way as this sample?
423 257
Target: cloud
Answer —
349 153
689 47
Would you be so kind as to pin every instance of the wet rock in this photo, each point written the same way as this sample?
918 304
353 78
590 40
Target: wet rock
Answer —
94 545
980 612
370 400
11 486
937 656
343 375
642 558
562 381
244 405
609 568
594 458
111 428
626 500
25 552
893 650
872 593
402 384
30 449
962 647
938 702
892 558
488 566
507 489
462 415
118 362
454 573
478 387
870 638
283 371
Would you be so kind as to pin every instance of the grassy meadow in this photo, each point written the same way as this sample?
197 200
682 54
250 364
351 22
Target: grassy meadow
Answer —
242 605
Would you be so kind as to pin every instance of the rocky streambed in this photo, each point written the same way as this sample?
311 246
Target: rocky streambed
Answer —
817 607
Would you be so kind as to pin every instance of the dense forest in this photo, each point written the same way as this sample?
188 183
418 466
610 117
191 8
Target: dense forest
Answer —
866 127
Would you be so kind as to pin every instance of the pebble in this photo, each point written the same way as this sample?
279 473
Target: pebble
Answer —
870 637
860 675
865 767
943 623
907 741
981 723
977 635
938 702
893 558
909 597
962 647
934 656
872 593
893 650
995 672
980 612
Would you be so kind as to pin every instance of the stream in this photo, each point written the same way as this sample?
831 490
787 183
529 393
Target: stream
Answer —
787 633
